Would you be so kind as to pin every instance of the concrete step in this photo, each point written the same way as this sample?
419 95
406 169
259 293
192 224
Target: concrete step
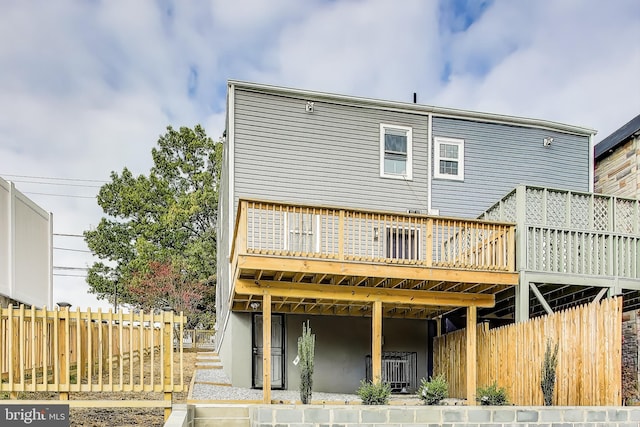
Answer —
208 365
221 415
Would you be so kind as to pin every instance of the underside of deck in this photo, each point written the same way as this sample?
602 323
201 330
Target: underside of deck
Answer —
348 288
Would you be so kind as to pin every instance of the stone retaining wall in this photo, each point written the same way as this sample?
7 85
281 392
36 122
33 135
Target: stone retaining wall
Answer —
428 416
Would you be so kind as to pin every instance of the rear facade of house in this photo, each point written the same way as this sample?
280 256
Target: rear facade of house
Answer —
298 164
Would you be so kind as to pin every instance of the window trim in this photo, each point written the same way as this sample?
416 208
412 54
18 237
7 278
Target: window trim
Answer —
414 234
408 175
437 142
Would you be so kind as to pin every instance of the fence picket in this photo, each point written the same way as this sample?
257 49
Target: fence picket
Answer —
589 367
64 351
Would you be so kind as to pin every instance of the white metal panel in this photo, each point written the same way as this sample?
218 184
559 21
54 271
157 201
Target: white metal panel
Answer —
25 249
32 252
5 283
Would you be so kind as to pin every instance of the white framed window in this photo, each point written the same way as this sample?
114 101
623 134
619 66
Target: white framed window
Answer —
402 243
302 232
449 158
396 147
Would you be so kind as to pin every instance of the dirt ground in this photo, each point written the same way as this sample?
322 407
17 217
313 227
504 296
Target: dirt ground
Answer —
121 417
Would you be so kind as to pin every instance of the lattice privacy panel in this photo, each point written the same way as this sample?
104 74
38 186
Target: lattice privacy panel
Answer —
534 206
509 208
556 209
580 211
600 213
625 216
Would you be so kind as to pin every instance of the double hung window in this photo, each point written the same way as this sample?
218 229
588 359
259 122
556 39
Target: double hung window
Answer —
396 144
449 158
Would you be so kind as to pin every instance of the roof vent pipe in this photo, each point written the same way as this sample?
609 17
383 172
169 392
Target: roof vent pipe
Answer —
415 98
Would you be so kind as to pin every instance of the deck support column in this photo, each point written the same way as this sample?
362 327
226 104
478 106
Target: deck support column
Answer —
522 299
472 354
376 342
266 348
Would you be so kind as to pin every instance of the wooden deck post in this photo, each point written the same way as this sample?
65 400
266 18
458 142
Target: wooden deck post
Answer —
472 354
63 353
376 342
167 359
266 348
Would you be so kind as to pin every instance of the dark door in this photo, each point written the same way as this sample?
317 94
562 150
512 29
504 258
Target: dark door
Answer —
277 351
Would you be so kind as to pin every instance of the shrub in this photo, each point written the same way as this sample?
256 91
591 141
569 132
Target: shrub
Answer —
433 391
306 351
492 395
548 378
374 393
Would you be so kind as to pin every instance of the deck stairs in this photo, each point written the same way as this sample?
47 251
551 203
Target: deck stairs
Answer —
209 415
208 360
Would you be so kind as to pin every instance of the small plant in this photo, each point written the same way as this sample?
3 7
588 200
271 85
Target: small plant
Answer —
374 393
548 379
433 391
492 395
306 351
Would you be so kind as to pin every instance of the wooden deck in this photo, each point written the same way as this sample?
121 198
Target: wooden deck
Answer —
335 261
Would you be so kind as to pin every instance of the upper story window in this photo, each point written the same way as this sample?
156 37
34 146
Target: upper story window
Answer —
395 151
449 158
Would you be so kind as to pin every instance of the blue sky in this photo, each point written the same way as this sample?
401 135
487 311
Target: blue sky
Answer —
88 86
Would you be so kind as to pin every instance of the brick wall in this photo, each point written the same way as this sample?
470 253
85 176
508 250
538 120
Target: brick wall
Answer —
619 174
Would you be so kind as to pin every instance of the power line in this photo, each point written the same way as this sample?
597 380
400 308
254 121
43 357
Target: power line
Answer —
57 183
55 179
59 267
70 275
61 195
68 235
73 250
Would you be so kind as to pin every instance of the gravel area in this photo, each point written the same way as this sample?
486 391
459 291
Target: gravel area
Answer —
213 392
211 376
203 389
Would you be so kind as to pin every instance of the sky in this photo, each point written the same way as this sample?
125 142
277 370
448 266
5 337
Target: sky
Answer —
86 87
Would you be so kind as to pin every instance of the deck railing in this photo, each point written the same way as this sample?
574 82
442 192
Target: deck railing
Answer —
562 231
278 229
71 351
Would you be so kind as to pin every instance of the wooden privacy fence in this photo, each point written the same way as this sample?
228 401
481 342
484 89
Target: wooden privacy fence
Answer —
198 339
589 368
71 351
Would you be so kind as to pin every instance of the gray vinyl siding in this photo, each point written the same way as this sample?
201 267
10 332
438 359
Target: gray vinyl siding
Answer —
499 157
328 157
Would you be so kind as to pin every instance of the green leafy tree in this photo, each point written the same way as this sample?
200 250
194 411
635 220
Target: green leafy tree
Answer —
166 218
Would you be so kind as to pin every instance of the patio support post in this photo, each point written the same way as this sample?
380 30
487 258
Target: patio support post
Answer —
376 341
522 299
266 348
472 354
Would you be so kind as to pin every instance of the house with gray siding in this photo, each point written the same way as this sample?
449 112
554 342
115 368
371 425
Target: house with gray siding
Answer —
361 216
